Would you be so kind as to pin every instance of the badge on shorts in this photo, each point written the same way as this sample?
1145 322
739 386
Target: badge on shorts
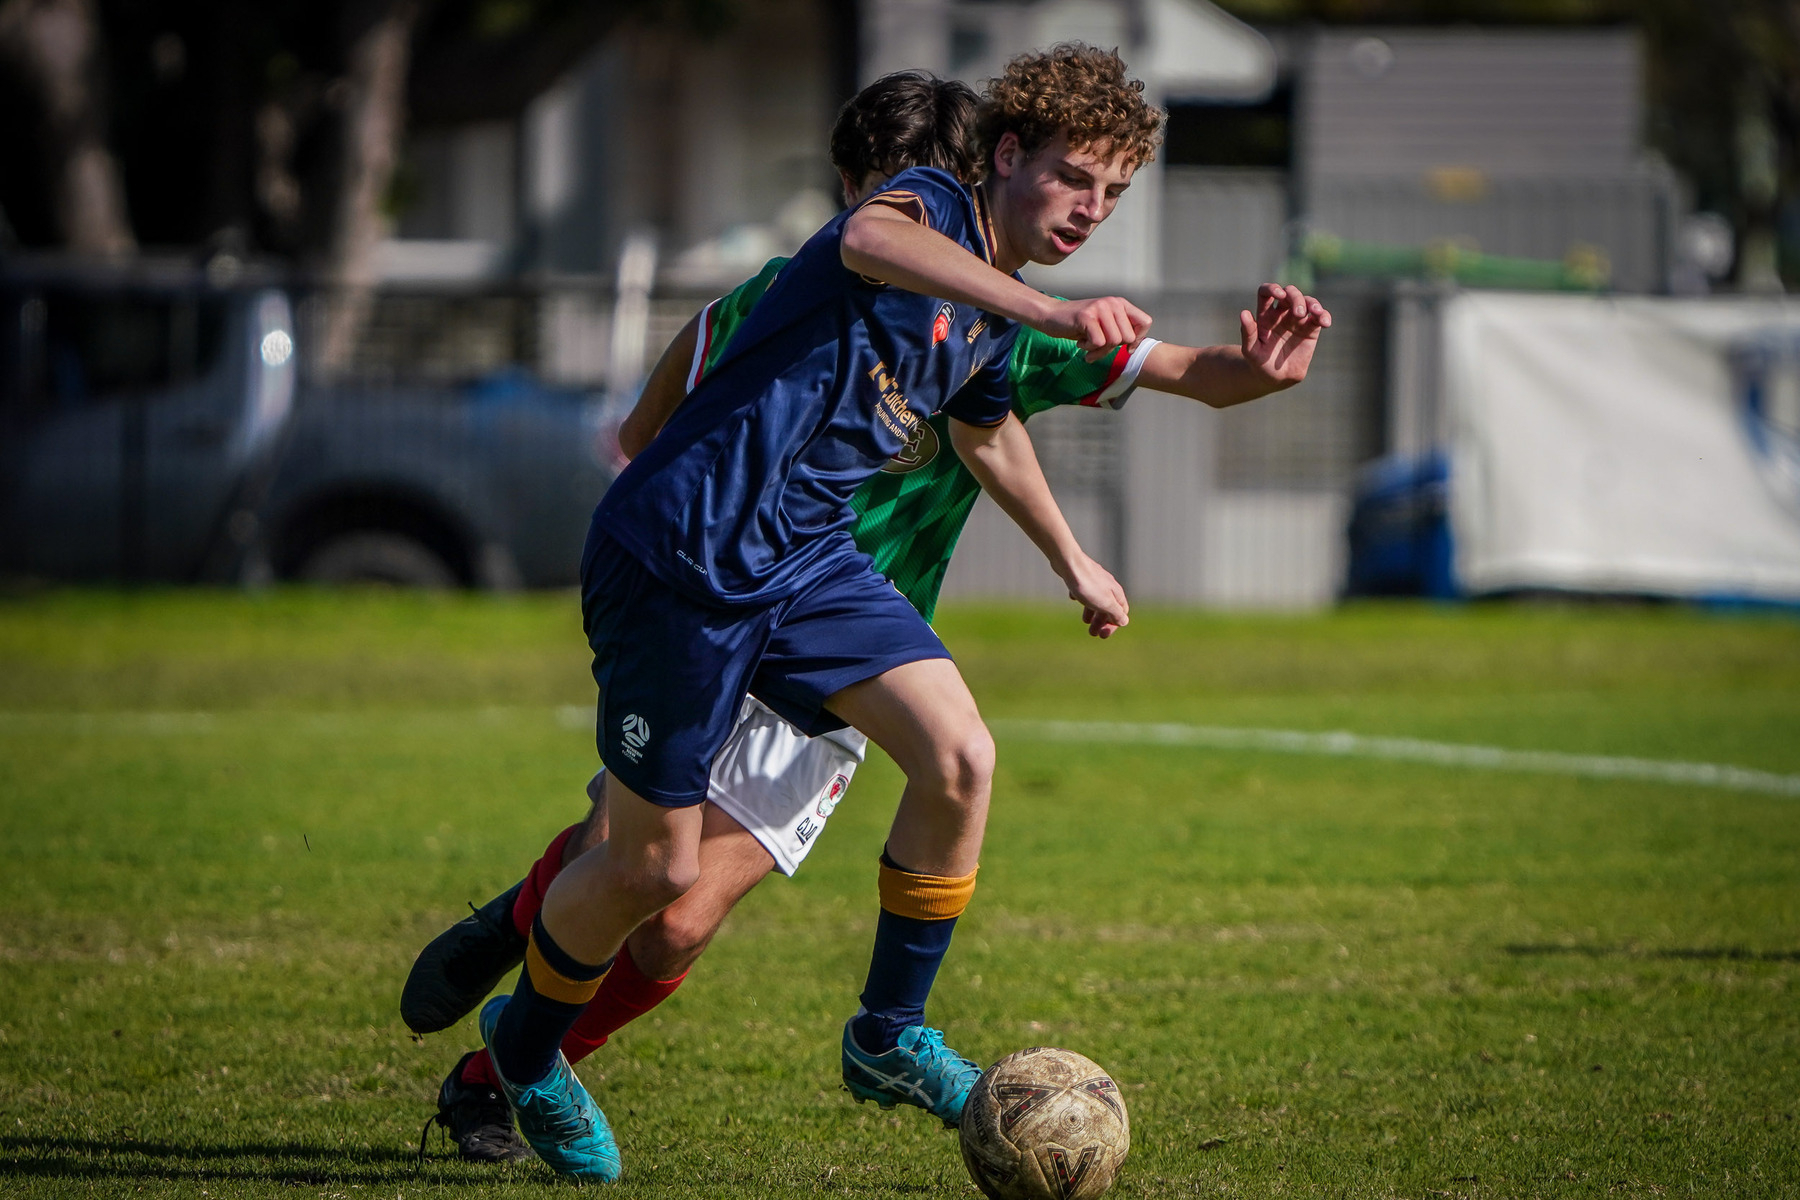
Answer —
834 791
634 734
940 328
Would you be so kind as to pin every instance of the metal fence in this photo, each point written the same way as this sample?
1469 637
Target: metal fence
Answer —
457 392
1237 508
1244 507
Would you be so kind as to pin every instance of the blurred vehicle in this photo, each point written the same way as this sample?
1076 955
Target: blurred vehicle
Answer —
158 428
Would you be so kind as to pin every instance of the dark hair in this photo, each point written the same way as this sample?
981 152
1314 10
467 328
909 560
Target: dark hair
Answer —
1076 89
908 119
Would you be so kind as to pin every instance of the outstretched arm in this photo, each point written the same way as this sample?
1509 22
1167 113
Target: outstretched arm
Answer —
664 390
1275 350
884 243
1001 457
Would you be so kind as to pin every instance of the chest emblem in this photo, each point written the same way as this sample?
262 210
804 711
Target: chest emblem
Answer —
920 449
940 328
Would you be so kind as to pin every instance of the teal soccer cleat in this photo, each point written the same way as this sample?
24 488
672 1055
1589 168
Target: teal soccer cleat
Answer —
557 1116
921 1071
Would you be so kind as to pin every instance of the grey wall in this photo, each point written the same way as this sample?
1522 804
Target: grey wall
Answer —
1512 104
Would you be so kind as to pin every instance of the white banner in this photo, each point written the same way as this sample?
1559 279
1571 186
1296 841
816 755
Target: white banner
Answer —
1640 445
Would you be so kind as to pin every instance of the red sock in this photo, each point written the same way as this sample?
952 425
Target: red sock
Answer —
479 1071
537 882
625 995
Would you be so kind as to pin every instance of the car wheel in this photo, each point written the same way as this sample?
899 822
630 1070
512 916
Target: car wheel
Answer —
377 557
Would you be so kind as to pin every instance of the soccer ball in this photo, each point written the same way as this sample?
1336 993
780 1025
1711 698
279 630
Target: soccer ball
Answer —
1045 1124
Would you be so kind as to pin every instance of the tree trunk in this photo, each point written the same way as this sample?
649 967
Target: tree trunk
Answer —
374 123
55 47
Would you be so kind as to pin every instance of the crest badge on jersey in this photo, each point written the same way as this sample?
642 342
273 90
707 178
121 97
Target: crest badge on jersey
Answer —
920 449
940 328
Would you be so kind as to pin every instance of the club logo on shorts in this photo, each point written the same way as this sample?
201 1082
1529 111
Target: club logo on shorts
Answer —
834 791
940 328
920 449
634 734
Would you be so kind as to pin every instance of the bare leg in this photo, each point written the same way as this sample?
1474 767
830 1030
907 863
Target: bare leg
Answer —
732 862
649 860
923 715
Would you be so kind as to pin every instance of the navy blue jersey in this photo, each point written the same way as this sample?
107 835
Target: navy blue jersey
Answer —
744 497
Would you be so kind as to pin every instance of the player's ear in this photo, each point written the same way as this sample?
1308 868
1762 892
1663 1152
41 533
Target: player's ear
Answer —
1008 155
850 186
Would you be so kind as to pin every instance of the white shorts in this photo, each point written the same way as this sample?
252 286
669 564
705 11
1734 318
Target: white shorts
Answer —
777 783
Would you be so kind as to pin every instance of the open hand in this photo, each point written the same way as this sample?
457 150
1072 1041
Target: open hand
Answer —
1102 600
1279 339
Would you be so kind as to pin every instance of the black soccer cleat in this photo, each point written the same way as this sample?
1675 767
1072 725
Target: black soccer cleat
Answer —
477 1117
462 965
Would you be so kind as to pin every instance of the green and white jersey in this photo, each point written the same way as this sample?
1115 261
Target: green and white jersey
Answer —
910 515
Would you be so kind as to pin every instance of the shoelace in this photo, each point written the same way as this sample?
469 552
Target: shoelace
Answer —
563 1120
938 1058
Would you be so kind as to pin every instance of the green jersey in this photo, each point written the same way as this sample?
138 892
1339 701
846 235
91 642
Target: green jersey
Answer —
911 513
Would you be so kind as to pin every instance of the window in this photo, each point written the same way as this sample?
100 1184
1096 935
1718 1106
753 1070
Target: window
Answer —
73 348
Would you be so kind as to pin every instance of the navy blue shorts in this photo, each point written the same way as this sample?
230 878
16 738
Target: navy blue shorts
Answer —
673 672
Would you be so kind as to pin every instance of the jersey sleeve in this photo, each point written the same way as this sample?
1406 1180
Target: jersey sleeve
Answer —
937 201
720 319
986 399
1050 371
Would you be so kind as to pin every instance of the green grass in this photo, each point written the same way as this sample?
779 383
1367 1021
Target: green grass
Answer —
1313 977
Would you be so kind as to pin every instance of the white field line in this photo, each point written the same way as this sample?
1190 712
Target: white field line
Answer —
1215 737
1442 754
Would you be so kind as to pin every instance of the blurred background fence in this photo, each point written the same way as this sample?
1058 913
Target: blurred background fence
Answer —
1259 495
412 378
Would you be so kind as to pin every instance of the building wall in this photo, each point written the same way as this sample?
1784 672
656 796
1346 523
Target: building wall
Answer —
1525 143
1510 104
696 139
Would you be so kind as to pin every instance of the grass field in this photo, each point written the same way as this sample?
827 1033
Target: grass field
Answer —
227 823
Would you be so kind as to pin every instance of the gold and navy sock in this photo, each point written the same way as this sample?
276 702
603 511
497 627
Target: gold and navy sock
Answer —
553 989
912 935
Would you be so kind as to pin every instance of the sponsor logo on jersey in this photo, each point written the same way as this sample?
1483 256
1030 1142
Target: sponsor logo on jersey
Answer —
920 449
891 404
834 791
634 735
975 368
940 328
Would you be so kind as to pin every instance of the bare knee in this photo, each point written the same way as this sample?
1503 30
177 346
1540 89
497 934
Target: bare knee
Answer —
654 880
961 769
663 883
669 943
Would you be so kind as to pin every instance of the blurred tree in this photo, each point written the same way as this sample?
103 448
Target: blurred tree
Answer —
53 52
271 126
379 39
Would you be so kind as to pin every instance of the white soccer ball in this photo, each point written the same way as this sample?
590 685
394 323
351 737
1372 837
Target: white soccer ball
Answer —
1045 1124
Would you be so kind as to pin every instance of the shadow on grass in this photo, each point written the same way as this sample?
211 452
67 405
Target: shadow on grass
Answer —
1692 953
295 1163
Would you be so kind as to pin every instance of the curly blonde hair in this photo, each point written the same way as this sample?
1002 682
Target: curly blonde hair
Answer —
1073 88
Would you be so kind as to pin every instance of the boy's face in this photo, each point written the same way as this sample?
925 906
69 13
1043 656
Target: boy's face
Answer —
1048 203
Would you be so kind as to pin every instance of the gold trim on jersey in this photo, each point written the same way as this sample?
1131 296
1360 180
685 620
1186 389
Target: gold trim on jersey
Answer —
984 225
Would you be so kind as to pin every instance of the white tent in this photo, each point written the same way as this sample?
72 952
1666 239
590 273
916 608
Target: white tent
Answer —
1641 445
